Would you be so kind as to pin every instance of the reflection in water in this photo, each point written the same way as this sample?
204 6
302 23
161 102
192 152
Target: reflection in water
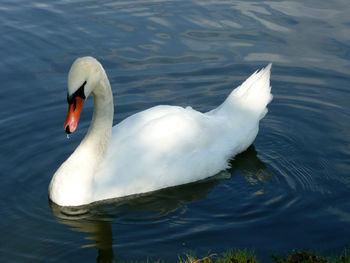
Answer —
251 166
96 219
89 221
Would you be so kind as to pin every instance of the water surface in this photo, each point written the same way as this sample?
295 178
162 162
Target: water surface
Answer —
289 190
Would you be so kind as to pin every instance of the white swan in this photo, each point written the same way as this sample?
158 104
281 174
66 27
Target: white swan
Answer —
157 148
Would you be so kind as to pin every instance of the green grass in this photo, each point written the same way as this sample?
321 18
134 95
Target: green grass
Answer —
248 256
231 256
310 257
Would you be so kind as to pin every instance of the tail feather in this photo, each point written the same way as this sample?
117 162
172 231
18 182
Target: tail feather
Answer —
252 95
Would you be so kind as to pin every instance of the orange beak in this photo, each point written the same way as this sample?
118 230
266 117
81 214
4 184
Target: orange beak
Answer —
73 115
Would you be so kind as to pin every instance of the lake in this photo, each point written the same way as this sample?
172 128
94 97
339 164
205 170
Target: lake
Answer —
289 190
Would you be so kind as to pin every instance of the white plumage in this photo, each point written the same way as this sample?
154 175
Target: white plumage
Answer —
157 148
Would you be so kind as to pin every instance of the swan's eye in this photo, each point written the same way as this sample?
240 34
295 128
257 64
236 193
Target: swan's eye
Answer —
79 93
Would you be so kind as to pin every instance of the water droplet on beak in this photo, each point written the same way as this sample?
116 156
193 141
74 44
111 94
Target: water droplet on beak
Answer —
67 136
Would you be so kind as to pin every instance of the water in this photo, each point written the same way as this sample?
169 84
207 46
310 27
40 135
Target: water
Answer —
289 190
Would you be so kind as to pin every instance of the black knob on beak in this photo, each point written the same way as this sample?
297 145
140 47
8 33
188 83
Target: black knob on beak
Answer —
67 130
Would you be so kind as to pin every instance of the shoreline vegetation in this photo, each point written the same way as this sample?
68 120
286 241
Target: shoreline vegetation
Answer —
248 256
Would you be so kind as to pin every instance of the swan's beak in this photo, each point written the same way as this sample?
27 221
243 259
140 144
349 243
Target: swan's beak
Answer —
74 110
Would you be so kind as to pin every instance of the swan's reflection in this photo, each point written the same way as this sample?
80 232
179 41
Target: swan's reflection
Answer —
253 169
96 219
92 222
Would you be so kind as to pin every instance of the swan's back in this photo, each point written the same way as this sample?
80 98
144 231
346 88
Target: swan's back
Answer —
169 145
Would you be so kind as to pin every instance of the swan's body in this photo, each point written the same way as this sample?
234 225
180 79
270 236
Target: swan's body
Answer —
157 148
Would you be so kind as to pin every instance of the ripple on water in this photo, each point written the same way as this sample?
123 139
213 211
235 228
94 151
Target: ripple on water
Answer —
189 54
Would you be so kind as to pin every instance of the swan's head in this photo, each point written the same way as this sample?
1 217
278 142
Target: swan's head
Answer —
83 77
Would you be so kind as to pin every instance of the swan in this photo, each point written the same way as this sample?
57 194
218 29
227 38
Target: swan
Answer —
157 148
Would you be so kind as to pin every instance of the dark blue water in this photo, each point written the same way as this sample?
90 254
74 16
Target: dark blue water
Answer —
290 190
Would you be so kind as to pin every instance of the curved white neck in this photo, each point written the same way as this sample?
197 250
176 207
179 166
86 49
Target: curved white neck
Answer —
72 182
99 134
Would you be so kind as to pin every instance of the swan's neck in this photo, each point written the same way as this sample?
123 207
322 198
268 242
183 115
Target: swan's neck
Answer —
72 184
99 134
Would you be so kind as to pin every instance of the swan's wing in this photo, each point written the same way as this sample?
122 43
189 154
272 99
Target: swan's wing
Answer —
162 130
135 123
158 148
